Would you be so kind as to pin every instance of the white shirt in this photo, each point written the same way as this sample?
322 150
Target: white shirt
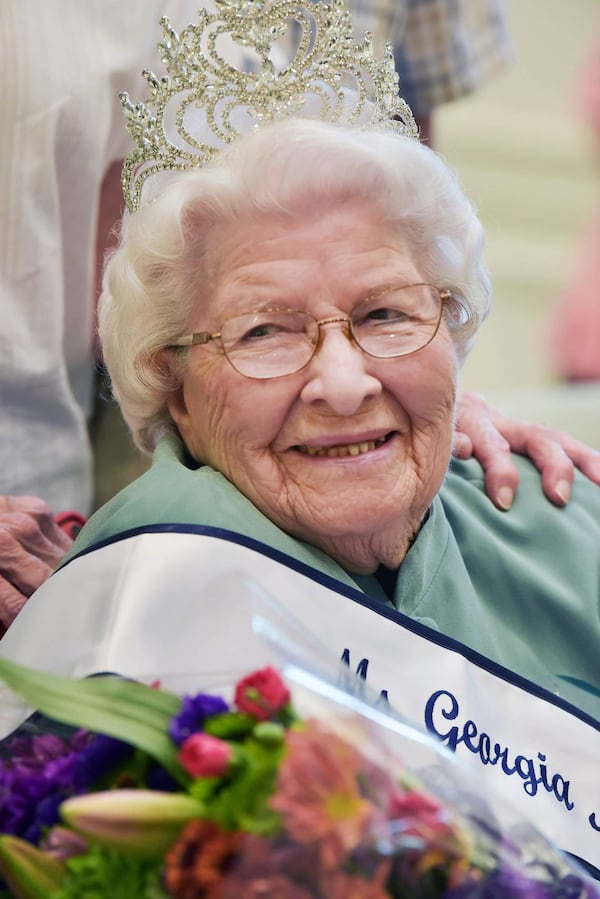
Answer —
62 64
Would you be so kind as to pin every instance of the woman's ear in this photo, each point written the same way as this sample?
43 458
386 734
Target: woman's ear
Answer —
170 367
179 412
177 408
167 367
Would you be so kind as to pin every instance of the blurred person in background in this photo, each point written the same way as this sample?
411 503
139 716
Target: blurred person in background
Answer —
443 49
62 65
61 146
575 320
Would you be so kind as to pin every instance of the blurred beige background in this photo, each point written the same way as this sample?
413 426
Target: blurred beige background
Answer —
527 160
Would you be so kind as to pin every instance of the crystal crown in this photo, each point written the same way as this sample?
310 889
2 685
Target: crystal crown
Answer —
248 63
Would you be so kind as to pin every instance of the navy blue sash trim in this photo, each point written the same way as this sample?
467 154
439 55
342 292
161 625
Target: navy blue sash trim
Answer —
355 595
589 869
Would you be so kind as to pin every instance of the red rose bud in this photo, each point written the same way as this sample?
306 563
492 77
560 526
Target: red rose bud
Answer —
262 694
202 755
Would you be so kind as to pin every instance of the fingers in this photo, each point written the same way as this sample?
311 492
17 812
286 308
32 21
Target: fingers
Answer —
556 455
31 545
501 479
462 446
493 435
474 420
33 525
26 558
582 456
11 603
474 426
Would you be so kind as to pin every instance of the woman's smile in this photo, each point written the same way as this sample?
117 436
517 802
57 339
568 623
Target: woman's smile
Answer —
338 449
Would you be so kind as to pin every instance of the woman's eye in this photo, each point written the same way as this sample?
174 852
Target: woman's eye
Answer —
261 332
387 314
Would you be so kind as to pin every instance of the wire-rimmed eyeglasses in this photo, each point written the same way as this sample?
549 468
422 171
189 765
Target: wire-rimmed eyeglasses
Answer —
273 342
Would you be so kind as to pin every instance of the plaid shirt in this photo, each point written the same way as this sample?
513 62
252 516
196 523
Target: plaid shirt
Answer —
444 49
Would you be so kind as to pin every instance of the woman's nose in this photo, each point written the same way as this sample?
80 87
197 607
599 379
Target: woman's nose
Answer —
337 374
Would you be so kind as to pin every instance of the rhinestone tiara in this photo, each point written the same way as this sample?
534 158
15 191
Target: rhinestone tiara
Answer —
248 63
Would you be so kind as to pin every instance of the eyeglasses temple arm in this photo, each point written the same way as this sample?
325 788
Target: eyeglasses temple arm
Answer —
196 338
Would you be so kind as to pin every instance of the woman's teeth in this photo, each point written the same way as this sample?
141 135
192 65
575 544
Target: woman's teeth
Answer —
347 449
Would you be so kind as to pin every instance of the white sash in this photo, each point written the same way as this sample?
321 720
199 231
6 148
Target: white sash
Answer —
187 607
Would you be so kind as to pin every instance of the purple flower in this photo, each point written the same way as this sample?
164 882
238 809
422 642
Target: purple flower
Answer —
505 883
158 778
35 778
98 759
574 887
508 883
194 711
44 817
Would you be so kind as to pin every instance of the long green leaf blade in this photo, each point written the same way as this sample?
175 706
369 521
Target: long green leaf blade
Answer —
127 710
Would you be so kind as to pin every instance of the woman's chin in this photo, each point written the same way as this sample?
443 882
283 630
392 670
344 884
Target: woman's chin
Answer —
358 533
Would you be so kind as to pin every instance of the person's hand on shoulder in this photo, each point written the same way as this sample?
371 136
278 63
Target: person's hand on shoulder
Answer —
31 545
490 437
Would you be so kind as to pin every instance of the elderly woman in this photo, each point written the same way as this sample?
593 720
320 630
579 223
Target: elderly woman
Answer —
284 327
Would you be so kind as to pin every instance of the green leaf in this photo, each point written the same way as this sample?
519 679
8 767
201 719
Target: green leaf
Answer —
229 725
102 873
127 710
29 873
241 801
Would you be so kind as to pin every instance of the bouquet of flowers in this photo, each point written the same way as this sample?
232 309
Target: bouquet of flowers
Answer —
157 796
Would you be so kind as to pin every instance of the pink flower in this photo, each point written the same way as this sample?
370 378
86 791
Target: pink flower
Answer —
62 843
443 843
205 756
318 794
261 694
420 814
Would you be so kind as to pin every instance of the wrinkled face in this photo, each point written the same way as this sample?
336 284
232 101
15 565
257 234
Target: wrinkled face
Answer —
349 452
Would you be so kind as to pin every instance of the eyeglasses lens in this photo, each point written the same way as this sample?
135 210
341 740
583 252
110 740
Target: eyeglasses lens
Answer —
270 343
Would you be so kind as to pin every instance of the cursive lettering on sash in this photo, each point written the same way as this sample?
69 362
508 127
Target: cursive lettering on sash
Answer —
355 683
593 819
442 706
442 719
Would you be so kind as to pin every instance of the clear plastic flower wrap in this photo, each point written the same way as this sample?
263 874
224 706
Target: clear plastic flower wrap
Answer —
278 783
